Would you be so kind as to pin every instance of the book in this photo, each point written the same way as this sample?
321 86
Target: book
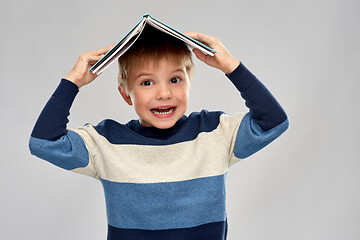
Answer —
129 39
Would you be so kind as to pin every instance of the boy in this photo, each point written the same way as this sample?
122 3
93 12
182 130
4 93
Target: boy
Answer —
164 174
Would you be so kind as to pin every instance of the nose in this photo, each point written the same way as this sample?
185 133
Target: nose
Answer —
163 92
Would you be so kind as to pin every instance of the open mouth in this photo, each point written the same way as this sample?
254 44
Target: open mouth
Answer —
163 110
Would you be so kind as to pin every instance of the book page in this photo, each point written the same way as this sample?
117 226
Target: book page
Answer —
122 46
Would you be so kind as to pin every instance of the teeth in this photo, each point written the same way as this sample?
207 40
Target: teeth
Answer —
163 113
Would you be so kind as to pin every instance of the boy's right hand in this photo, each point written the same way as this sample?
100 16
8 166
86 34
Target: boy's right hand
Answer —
80 74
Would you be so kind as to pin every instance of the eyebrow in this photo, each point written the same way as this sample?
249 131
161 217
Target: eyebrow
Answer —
149 73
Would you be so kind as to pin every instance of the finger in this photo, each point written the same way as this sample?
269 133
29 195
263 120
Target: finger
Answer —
104 50
208 40
194 35
97 57
191 34
94 58
200 55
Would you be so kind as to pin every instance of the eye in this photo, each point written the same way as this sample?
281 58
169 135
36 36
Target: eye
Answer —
147 83
175 80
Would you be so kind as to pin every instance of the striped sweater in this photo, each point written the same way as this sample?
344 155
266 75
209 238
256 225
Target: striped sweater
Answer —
161 183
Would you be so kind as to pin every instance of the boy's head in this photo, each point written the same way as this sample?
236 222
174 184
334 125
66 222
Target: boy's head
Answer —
154 76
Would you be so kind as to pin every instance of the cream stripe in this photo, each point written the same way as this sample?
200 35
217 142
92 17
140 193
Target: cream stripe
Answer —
207 155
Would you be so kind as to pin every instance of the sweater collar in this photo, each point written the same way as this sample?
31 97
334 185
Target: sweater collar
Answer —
153 132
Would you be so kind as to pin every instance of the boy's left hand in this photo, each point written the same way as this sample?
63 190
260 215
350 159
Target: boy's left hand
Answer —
221 60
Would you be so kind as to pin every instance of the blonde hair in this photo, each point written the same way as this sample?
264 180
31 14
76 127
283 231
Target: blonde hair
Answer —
151 47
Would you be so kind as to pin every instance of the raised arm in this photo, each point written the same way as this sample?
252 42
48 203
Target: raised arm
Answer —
50 139
266 119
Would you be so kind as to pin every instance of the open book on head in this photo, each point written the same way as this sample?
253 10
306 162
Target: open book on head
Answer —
128 40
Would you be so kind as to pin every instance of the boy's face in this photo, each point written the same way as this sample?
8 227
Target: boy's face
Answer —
160 94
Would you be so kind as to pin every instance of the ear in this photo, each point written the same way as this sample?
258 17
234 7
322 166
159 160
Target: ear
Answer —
125 96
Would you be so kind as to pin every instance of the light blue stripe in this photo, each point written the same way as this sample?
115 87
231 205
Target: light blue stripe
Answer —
251 138
68 152
168 205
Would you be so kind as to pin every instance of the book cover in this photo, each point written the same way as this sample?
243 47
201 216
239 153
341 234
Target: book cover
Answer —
129 39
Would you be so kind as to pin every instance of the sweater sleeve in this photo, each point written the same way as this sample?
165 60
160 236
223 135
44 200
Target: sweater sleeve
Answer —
51 141
266 119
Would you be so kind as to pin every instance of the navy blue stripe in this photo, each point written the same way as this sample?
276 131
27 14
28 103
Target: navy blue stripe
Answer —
264 108
209 231
51 124
134 133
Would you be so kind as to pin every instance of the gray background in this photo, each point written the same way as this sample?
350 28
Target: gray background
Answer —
303 186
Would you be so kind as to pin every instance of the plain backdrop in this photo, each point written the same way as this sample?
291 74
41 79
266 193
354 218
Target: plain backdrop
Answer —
305 185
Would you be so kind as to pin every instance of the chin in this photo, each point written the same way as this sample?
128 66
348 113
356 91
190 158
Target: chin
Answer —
164 125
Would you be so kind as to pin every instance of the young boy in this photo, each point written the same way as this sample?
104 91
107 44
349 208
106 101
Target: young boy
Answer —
164 174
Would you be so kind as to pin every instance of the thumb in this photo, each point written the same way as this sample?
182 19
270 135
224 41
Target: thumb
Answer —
200 55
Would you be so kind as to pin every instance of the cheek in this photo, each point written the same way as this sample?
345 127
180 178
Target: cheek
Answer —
183 95
140 99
